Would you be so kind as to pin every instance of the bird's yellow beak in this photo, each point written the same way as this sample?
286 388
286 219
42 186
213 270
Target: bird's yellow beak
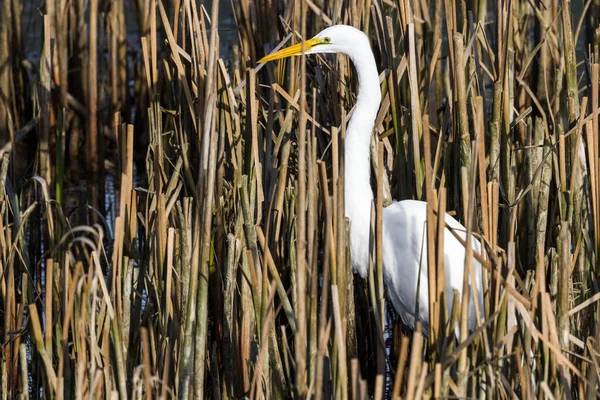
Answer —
294 50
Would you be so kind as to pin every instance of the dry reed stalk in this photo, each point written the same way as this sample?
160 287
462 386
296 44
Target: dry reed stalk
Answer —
430 195
45 86
168 267
24 373
443 317
374 293
341 387
201 329
262 361
415 362
312 243
37 332
324 320
403 355
93 139
190 319
461 100
337 157
415 110
48 306
380 289
301 334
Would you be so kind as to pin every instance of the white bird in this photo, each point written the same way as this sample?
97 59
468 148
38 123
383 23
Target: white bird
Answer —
404 230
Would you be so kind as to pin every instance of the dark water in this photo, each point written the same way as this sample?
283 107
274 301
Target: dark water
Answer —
33 27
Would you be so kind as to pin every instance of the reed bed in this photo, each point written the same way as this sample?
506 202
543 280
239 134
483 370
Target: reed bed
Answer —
172 218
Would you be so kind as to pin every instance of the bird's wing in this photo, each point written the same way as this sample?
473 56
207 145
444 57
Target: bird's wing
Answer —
405 251
405 257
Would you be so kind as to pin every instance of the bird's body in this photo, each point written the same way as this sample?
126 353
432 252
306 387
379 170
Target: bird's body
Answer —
404 222
405 267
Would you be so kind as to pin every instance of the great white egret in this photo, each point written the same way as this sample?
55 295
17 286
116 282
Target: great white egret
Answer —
404 233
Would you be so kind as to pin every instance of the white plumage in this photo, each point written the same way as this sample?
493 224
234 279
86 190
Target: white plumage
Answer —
404 229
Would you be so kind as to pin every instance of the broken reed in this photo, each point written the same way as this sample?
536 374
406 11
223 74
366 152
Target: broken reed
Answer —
223 267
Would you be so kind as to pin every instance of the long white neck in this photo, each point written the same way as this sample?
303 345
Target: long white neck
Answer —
358 192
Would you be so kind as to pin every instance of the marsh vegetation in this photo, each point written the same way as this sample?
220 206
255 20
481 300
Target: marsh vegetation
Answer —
171 219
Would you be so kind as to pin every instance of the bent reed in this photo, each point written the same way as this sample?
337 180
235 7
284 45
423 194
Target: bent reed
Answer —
172 218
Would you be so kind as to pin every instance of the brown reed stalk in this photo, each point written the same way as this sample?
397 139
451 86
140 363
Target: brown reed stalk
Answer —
45 80
324 319
209 136
301 334
341 387
93 139
430 195
403 355
227 211
415 110
379 291
415 362
461 100
312 244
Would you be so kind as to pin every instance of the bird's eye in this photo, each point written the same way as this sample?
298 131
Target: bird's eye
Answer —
327 40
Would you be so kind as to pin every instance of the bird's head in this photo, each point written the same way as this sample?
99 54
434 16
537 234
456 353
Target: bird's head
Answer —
335 39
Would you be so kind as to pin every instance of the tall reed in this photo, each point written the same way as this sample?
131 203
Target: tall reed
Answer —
217 264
